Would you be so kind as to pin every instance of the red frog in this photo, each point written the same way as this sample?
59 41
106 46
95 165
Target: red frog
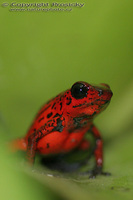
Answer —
61 124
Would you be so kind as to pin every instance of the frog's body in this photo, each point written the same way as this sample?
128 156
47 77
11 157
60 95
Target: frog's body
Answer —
61 124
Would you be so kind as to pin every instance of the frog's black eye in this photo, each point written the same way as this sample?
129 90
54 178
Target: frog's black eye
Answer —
79 90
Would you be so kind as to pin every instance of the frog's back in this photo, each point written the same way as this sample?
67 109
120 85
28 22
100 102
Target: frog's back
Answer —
50 110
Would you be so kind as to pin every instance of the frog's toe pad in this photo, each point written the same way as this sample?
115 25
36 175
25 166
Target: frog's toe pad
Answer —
98 171
95 172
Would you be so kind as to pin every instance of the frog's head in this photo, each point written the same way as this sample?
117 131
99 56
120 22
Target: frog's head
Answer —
84 98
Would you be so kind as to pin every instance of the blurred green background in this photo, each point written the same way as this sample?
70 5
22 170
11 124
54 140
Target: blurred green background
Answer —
44 53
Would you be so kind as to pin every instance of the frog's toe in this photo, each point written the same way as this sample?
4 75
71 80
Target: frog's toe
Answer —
95 172
106 173
98 171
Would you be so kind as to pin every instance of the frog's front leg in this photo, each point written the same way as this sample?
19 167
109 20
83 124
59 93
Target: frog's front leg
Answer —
98 152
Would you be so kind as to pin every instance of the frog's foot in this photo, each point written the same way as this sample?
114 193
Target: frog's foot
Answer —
96 171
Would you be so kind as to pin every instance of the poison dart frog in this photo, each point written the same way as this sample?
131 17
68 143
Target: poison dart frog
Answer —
61 124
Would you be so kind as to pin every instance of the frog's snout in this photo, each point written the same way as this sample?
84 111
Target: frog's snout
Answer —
105 85
105 92
106 89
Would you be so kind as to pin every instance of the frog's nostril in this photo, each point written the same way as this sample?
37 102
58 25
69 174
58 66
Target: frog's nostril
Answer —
100 92
105 85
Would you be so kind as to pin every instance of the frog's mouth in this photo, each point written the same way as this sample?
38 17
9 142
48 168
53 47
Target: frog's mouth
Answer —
97 102
100 102
104 106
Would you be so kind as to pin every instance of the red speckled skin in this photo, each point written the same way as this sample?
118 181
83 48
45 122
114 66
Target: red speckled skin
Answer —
61 124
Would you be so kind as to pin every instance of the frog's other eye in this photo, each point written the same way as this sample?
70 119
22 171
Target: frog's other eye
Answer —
79 90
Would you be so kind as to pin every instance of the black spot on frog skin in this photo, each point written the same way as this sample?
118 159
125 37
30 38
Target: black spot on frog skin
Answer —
93 114
77 122
60 105
49 115
59 126
40 119
78 105
69 100
57 115
53 105
48 145
43 111
92 94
